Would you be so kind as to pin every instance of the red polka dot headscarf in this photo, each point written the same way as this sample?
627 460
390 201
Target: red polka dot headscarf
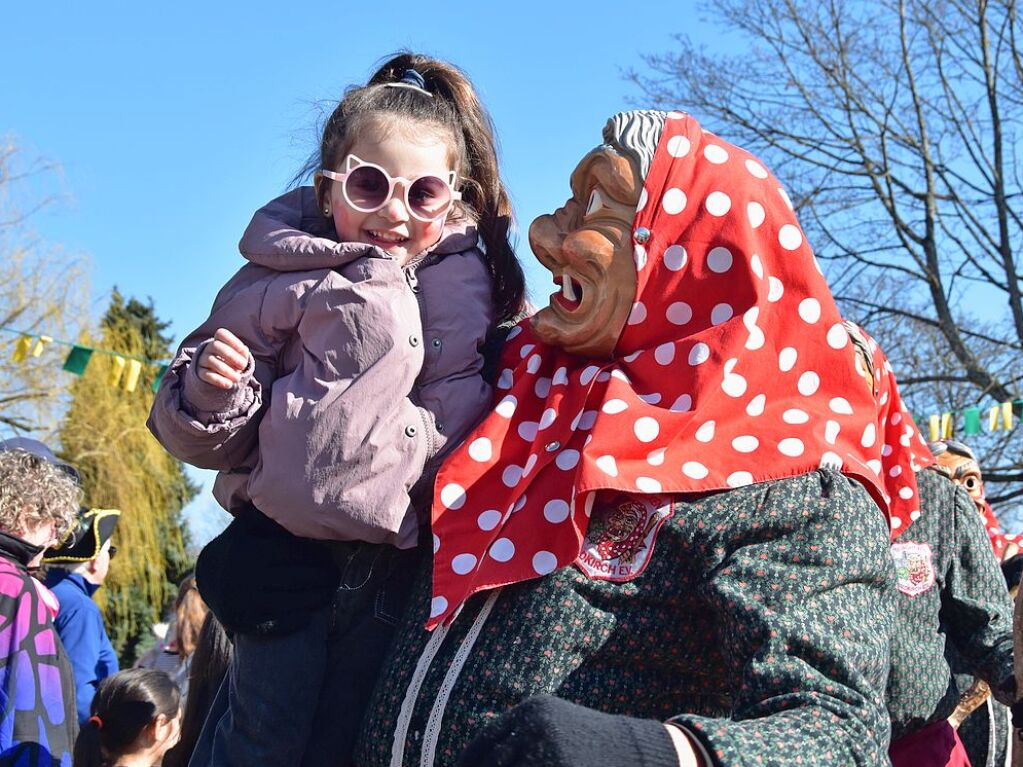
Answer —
733 368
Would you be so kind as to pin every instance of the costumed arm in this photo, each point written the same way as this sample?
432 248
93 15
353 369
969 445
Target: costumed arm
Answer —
976 609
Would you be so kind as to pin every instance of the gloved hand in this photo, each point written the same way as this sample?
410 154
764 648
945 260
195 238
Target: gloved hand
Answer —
544 731
258 578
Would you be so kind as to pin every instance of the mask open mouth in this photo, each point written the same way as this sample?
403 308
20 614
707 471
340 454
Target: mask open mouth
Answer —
571 294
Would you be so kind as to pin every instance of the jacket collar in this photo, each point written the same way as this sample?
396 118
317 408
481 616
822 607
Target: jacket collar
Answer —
58 574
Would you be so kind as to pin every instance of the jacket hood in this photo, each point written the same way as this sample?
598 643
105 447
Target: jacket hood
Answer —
290 234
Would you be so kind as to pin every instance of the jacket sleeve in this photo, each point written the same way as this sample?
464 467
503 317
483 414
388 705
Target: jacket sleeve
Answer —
976 608
808 612
199 423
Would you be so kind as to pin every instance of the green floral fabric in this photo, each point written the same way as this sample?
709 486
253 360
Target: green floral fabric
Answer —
966 613
761 624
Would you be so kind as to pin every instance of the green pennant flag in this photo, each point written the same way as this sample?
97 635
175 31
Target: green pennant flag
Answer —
971 423
78 360
159 376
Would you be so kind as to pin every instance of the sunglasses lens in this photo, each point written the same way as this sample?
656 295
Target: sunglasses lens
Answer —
429 197
366 188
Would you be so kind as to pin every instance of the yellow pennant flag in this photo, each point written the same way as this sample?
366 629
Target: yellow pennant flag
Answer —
1007 415
21 349
946 426
40 345
992 418
131 377
116 369
935 427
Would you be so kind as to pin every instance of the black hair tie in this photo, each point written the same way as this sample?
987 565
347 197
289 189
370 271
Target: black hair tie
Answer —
413 78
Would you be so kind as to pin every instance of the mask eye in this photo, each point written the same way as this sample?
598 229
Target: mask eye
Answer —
595 203
971 483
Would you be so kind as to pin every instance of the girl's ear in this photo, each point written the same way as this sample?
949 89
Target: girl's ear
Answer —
321 186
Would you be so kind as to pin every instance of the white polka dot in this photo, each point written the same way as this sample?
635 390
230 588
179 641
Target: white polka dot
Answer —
556 511
648 485
608 465
560 377
831 460
643 197
548 417
675 257
679 313
694 469
453 496
513 333
678 146
436 543
896 418
720 314
542 387
706 432
718 203
733 384
756 336
756 214
808 384
519 504
512 475
639 256
656 457
715 154
789 237
489 519
615 406
588 418
699 354
787 359
795 416
683 404
914 515
567 459
785 197
534 363
775 289
895 471
756 405
651 399
588 374
481 450
506 407
791 447
525 350
757 266
674 201
896 523
463 563
810 310
756 169
544 562
505 380
841 406
675 115
437 606
646 429
905 493
838 337
831 429
502 550
603 376
719 260
869 435
527 430
530 463
746 443
739 478
665 354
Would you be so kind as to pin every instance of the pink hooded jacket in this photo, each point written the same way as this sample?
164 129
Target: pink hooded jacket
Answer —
362 373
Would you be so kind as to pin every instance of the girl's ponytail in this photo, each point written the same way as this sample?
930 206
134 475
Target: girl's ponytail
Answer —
482 188
89 746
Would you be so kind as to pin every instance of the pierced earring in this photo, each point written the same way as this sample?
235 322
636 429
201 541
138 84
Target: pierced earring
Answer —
326 211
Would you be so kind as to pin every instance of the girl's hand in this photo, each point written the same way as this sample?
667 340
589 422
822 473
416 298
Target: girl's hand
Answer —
223 360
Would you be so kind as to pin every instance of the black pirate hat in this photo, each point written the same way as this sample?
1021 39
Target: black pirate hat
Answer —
91 530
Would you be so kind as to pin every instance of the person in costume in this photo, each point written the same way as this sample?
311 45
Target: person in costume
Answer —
76 569
39 497
666 544
951 596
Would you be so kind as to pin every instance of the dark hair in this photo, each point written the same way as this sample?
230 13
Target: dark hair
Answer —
455 109
125 704
209 665
189 613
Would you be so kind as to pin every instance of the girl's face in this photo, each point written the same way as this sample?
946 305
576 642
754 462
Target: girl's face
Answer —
392 228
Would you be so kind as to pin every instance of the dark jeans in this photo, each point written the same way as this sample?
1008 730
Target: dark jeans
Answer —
299 698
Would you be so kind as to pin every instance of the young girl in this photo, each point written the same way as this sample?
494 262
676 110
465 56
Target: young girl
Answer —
334 370
136 719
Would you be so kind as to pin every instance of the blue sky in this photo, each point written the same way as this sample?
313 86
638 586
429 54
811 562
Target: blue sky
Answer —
173 122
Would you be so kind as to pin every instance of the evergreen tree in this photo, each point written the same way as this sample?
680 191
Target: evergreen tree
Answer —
124 467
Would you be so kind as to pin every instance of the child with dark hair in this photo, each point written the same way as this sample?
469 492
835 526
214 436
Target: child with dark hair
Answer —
135 719
334 371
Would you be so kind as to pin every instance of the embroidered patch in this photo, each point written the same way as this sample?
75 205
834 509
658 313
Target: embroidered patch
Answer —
620 538
914 567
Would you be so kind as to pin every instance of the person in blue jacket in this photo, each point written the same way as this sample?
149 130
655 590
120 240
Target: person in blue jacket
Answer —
77 568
